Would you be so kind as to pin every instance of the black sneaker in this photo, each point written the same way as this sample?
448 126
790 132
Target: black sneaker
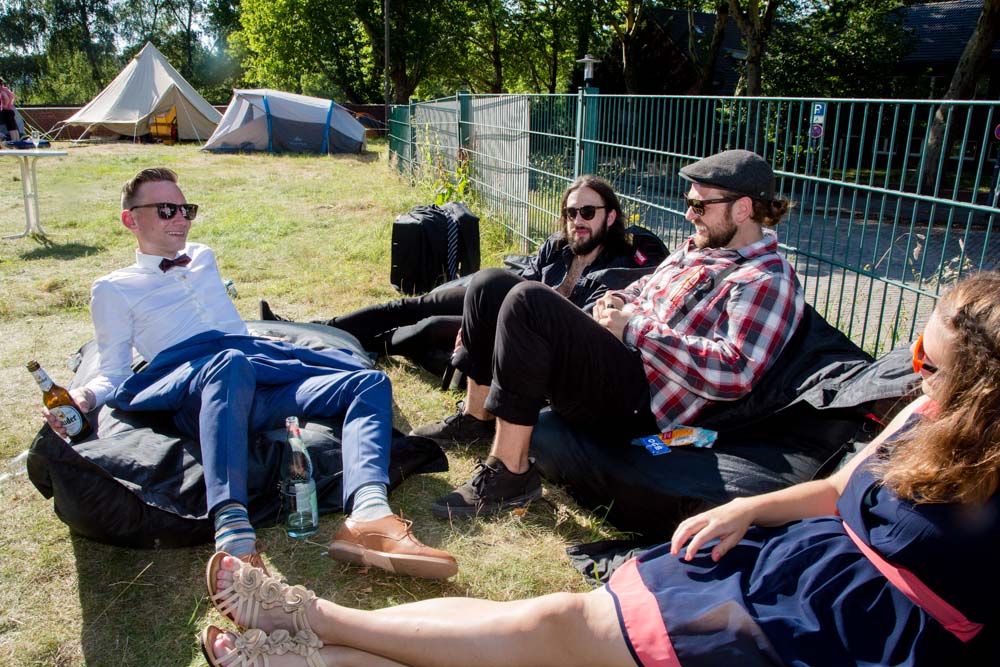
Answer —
268 315
459 428
492 489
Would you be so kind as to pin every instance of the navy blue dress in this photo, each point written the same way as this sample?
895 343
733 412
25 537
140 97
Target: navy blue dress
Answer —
803 594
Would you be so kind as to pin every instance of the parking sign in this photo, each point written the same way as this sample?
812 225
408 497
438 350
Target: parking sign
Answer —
819 113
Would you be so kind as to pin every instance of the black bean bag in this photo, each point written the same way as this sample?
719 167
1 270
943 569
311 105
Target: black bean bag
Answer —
139 484
817 403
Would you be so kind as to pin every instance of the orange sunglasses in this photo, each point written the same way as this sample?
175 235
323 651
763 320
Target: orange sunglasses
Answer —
920 363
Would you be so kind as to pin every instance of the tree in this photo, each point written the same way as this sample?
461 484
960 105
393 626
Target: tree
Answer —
841 48
309 46
705 58
63 50
630 13
491 30
755 26
425 40
970 67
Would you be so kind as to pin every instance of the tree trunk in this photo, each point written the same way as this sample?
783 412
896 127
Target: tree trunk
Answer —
755 28
88 44
963 84
705 67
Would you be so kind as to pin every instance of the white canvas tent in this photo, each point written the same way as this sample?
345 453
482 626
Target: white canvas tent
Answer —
148 86
275 121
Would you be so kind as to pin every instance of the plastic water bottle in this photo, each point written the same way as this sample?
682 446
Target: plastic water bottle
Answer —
298 490
231 289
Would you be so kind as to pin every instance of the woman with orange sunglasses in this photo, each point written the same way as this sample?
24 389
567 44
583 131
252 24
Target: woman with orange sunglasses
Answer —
887 562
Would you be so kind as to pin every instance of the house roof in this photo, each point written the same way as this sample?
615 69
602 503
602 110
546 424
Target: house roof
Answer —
941 30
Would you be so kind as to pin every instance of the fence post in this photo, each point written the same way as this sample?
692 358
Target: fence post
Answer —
585 154
464 119
590 100
411 139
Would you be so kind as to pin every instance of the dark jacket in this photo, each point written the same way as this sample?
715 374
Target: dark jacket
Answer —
613 268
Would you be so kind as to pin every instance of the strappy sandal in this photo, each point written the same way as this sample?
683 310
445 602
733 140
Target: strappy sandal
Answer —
255 560
254 647
253 590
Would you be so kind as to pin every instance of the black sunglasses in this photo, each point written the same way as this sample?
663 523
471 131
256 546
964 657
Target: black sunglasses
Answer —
586 212
166 210
698 205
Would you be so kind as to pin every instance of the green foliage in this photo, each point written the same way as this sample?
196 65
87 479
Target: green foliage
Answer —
75 47
452 186
844 48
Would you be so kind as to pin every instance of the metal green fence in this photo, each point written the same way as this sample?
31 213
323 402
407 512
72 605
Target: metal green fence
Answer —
890 207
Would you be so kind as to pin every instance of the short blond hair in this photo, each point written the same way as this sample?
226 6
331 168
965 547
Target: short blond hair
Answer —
150 175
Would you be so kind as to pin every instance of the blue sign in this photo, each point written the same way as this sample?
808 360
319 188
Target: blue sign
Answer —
819 113
816 131
996 132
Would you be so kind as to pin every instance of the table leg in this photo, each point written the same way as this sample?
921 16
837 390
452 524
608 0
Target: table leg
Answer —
36 223
29 192
25 190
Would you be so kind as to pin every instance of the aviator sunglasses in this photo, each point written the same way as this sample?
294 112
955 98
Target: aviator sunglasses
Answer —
920 363
698 205
586 212
166 210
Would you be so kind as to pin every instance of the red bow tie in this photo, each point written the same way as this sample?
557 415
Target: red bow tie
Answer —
167 264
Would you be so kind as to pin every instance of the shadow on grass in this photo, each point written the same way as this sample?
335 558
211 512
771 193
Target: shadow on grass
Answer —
139 607
51 250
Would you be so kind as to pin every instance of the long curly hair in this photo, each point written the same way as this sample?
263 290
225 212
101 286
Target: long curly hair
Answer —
955 457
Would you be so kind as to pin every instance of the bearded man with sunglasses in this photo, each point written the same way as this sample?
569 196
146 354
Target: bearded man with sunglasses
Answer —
702 329
220 382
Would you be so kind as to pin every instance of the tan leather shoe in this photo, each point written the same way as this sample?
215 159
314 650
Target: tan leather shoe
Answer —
387 543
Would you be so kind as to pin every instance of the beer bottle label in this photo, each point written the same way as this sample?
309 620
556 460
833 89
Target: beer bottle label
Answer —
70 418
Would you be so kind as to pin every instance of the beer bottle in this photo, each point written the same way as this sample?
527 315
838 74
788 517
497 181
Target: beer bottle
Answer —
61 404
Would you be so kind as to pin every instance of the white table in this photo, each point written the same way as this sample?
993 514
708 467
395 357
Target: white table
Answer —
29 186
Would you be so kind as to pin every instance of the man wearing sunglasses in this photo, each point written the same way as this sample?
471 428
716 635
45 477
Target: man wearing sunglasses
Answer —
220 383
702 329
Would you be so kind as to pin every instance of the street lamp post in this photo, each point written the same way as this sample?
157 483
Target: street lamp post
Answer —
588 62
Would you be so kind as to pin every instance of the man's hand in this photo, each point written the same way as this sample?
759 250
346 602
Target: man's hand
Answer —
85 400
608 301
612 314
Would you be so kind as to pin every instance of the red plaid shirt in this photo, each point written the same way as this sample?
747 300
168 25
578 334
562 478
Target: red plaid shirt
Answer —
727 340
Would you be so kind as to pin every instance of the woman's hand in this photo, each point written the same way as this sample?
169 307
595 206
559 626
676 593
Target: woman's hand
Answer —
728 522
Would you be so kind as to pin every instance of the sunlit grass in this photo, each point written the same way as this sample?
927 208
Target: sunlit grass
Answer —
310 234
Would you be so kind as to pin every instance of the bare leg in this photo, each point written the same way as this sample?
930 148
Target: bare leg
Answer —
511 445
559 629
475 398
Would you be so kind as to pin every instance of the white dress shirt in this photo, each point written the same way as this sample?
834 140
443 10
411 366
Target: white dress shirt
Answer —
150 310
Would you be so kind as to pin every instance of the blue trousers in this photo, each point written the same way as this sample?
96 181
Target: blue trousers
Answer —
222 386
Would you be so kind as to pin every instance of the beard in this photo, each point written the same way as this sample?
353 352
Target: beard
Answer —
719 237
593 240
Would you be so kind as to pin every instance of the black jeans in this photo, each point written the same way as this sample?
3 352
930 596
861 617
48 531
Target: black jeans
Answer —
422 328
532 345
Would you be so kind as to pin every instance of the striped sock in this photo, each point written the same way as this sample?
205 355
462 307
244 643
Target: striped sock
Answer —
371 502
233 532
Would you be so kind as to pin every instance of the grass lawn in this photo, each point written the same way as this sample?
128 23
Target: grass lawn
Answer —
310 234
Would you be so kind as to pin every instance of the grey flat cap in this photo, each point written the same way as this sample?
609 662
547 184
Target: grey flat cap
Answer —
738 171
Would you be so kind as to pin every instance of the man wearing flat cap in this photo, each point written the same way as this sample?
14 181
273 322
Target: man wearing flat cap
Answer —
701 329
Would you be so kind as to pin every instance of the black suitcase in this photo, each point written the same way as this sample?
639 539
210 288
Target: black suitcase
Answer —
420 239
